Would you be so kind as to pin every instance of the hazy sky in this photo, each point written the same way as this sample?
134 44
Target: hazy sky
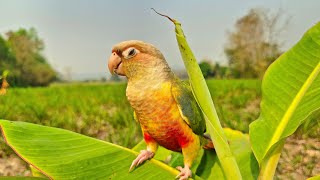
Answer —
79 34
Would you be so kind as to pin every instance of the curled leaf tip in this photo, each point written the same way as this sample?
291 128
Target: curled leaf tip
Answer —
172 20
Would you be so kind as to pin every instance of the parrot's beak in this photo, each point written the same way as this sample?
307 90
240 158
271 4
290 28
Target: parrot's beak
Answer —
115 64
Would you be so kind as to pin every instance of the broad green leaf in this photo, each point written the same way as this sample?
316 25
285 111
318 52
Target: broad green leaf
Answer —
62 154
203 97
290 93
210 167
36 173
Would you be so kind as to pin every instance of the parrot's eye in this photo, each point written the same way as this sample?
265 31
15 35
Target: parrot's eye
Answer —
130 52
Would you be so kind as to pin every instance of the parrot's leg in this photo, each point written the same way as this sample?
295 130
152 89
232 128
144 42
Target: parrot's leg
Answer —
144 155
185 172
190 153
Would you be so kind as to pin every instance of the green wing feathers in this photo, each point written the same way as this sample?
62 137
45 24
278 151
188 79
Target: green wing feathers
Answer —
189 108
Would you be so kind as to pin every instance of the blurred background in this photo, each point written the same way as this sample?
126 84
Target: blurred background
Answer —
53 64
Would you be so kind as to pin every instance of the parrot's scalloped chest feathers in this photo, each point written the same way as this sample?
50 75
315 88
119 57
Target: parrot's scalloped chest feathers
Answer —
158 113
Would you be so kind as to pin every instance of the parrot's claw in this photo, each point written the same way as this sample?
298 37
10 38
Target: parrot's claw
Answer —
143 156
185 173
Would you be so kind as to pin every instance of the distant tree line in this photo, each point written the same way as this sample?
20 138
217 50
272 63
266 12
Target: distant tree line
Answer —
216 70
21 55
251 47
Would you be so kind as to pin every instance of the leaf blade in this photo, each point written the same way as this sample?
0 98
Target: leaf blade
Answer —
62 154
290 83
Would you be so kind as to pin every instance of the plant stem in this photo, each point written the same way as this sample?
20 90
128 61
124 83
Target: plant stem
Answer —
268 167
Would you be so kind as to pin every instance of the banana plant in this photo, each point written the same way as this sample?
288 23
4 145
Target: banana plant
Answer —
291 93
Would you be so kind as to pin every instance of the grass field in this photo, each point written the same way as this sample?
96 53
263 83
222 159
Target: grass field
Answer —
102 111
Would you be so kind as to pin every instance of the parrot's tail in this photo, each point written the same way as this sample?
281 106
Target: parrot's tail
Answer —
207 142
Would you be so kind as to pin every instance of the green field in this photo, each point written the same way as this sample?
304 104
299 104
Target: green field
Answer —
102 110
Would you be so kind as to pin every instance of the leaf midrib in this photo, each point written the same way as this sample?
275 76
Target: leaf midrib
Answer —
293 105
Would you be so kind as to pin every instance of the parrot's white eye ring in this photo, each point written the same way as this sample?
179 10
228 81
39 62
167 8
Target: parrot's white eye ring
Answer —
130 52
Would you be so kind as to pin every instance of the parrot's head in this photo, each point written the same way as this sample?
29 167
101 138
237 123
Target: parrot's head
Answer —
136 58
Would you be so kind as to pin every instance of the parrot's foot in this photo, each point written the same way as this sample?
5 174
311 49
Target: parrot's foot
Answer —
185 173
143 156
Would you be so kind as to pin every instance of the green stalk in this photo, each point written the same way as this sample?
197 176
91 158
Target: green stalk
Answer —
203 97
268 167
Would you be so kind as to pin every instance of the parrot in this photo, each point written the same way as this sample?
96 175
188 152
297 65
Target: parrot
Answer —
163 104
